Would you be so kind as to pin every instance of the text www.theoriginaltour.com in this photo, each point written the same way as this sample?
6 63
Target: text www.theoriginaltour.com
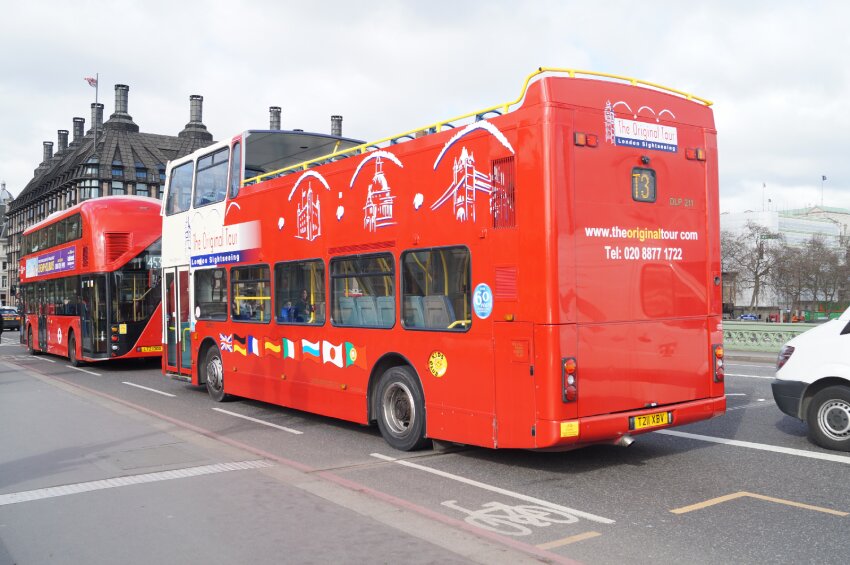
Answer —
642 234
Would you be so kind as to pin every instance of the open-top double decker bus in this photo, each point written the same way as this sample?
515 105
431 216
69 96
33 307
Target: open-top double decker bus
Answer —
90 278
544 273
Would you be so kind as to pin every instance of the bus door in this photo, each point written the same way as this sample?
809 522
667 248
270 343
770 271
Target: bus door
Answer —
515 408
42 318
177 323
94 318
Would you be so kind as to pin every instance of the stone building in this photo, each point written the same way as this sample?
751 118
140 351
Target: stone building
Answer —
111 158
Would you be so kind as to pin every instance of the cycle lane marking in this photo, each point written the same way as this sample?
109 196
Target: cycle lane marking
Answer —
492 488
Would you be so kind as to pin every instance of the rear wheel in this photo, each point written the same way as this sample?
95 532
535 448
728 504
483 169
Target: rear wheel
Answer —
214 375
401 409
72 350
30 343
828 418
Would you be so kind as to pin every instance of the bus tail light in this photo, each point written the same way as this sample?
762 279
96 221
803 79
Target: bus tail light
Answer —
589 139
114 338
695 154
719 369
569 379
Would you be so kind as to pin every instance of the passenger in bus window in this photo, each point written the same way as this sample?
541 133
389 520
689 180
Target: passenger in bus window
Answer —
303 308
286 313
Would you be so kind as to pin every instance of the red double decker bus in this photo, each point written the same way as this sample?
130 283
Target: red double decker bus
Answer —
90 280
544 273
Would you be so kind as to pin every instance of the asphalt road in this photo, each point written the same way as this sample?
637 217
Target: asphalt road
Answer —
250 482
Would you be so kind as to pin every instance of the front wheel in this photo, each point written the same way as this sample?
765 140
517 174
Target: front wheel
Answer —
30 342
72 351
828 418
214 374
401 409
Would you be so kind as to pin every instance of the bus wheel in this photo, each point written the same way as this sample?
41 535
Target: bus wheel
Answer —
30 343
401 409
72 350
829 418
214 374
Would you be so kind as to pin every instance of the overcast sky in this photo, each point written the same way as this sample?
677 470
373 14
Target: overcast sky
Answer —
776 71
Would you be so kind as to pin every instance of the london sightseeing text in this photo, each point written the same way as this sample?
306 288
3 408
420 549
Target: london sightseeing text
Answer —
540 274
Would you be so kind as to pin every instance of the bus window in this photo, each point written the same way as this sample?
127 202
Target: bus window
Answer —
251 296
211 184
211 294
180 189
135 290
299 292
235 170
74 228
363 291
435 289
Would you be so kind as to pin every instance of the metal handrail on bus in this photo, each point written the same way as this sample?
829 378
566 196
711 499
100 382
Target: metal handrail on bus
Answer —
478 115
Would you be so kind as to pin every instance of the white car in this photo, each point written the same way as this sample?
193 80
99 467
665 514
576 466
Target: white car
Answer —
813 382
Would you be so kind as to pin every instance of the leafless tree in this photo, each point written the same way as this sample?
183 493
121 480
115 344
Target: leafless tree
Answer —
752 255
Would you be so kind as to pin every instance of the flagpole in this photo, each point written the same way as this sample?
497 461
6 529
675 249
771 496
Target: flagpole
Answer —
96 89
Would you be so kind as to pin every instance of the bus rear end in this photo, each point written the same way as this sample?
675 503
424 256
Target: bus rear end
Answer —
639 321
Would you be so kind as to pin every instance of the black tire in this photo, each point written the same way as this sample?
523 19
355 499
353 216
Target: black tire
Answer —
214 375
72 350
828 418
30 343
401 409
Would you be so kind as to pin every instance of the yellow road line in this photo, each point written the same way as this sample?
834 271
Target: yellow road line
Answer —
569 540
728 497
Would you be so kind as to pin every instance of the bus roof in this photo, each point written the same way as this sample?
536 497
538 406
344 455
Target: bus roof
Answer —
93 205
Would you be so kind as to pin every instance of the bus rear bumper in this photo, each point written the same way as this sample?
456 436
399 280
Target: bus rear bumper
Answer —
612 428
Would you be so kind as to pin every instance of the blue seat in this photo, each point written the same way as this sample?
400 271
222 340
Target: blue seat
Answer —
386 311
367 310
348 315
438 311
412 312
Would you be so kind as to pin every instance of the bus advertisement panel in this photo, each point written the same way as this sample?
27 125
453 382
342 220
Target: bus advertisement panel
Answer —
90 278
540 274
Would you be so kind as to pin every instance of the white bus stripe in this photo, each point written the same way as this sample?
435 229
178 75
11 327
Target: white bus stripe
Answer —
149 389
498 490
255 420
761 446
78 488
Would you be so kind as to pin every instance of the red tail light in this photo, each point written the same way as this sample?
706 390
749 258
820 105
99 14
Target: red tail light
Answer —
784 355
569 379
719 368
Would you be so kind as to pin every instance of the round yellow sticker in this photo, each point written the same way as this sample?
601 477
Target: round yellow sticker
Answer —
438 364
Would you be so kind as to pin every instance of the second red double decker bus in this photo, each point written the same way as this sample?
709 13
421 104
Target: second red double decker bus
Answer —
543 273
90 280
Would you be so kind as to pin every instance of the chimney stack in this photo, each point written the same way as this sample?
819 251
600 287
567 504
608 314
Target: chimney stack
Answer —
336 126
120 119
121 91
63 140
274 117
48 151
97 117
196 128
79 128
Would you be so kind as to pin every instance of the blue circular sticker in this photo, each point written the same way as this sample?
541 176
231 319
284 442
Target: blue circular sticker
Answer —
482 301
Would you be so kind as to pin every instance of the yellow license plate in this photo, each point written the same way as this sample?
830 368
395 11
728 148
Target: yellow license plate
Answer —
150 349
649 420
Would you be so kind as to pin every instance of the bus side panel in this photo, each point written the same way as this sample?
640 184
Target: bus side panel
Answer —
149 343
515 383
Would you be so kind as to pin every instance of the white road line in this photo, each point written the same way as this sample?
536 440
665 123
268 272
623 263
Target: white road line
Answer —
40 358
83 370
149 389
761 446
749 376
255 420
499 490
735 394
64 490
731 363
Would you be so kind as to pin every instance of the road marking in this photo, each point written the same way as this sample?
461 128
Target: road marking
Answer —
77 488
772 363
40 358
149 389
569 540
757 404
83 370
749 376
728 497
735 394
491 488
761 446
249 418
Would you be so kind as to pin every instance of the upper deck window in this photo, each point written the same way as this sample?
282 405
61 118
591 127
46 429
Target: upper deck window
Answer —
211 185
235 170
180 188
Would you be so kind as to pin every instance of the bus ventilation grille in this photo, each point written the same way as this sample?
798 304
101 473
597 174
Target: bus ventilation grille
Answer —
506 285
117 244
502 201
362 247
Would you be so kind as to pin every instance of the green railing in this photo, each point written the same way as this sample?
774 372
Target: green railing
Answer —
754 336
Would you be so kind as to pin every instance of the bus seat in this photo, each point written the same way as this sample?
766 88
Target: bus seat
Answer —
413 312
367 310
319 311
438 311
348 315
386 311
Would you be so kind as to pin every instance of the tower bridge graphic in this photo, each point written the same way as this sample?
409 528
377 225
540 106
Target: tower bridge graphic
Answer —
309 218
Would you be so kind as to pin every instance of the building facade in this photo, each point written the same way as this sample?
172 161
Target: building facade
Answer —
111 158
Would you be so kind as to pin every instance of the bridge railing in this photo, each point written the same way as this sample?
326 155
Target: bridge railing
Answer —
754 336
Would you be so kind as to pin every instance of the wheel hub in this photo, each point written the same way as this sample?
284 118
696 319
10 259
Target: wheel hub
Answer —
399 410
834 417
